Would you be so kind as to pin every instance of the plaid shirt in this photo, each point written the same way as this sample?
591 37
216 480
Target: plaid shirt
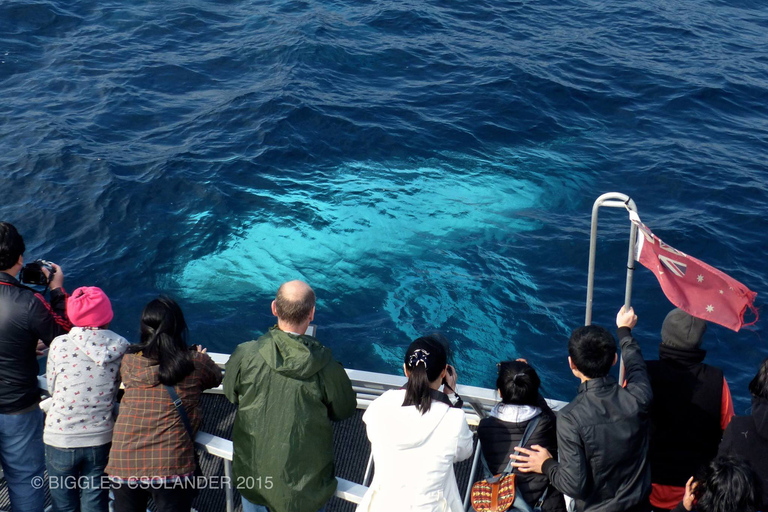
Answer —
149 438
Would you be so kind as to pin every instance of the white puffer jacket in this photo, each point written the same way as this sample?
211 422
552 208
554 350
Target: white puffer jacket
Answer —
414 456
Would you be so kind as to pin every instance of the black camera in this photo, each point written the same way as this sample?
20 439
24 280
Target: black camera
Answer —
32 273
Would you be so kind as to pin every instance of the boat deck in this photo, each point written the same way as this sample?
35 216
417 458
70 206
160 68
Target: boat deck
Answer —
351 448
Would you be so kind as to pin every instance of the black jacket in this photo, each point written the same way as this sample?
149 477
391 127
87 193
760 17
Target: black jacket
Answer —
25 318
747 438
685 417
498 439
602 437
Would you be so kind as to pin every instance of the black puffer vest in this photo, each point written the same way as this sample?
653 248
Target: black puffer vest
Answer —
498 439
685 415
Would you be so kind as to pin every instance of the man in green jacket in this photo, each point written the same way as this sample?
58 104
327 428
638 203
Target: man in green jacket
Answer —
288 389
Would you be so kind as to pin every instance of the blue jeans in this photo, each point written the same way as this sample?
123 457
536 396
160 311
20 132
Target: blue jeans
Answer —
23 459
75 478
250 507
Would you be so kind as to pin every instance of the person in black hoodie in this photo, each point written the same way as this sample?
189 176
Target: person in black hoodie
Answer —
747 436
692 406
499 433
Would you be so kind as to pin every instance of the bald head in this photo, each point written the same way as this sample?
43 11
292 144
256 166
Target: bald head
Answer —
294 303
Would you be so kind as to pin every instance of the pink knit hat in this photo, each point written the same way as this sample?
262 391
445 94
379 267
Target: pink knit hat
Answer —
89 306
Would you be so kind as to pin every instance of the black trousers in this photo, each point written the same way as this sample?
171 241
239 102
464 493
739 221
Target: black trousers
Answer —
166 500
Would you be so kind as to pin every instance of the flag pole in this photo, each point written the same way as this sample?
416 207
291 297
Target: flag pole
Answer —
611 200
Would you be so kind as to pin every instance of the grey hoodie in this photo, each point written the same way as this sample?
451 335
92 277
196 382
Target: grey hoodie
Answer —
82 375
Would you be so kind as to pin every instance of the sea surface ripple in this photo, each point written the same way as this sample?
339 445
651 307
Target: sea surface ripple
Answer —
426 165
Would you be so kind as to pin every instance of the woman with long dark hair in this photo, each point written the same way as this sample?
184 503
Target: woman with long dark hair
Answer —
416 434
152 450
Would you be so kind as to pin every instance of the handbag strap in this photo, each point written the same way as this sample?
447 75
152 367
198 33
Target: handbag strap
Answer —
540 502
523 441
181 410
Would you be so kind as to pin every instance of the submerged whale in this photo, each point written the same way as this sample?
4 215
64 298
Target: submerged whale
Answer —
397 248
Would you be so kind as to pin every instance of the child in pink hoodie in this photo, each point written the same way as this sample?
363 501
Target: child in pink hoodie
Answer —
82 375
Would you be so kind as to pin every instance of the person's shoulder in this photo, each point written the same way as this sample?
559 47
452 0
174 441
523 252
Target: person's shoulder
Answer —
201 358
130 363
59 342
391 398
548 419
455 416
487 422
387 400
393 395
248 348
120 343
494 422
741 423
317 347
444 408
712 368
572 408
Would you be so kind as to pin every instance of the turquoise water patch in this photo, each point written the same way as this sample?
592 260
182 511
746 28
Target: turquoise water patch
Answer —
411 248
365 222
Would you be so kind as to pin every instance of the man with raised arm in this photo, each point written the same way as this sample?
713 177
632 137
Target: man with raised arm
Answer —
288 389
25 320
603 434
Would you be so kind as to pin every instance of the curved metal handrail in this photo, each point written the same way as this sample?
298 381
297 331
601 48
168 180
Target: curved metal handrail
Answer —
612 200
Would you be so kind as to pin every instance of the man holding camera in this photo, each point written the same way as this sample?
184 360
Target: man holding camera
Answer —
25 319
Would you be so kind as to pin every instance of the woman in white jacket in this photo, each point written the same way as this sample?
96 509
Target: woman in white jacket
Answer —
417 434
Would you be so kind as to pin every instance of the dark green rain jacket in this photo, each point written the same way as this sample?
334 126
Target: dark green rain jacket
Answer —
288 389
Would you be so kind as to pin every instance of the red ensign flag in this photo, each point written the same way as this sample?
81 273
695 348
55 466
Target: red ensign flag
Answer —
691 284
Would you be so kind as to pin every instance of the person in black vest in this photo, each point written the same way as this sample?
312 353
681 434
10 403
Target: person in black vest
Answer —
747 436
502 430
691 408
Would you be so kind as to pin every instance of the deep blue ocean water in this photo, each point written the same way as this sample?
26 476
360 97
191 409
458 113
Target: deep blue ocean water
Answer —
425 165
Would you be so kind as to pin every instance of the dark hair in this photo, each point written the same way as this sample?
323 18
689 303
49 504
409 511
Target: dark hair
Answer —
728 484
294 311
518 383
759 385
164 339
425 360
11 246
592 350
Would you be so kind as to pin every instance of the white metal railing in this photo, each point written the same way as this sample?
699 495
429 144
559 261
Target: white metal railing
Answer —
368 386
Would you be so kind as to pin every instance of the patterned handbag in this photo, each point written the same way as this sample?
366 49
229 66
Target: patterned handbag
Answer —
497 494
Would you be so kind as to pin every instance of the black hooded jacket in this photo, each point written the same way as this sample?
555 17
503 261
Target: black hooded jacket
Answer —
747 438
25 318
603 437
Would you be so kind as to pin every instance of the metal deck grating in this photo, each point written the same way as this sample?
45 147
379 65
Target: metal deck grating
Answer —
351 452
